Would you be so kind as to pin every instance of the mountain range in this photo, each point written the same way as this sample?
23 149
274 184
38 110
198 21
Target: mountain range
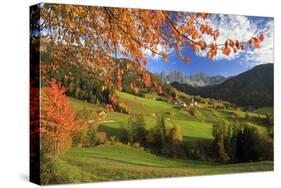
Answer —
251 88
196 80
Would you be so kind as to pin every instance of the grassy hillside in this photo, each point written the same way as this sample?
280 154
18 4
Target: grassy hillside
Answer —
194 126
122 162
143 105
111 160
265 110
129 155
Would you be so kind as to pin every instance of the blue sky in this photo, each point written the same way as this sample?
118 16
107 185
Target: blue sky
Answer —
197 64
231 27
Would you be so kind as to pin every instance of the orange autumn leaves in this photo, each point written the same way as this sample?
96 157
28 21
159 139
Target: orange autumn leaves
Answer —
231 46
126 31
58 119
143 80
256 41
234 46
100 35
119 79
191 33
146 77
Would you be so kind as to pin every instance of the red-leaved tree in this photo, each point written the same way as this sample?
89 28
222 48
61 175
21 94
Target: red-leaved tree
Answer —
58 120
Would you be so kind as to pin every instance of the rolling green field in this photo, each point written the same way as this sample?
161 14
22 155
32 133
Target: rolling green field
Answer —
265 110
144 105
120 162
194 127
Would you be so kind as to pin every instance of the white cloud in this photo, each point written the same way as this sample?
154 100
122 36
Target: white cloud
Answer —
264 54
242 28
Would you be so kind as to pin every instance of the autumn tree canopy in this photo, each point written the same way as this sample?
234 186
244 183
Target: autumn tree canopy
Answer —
59 120
99 35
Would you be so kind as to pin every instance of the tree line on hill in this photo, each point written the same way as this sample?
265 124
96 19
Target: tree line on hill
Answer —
232 143
134 76
86 86
236 143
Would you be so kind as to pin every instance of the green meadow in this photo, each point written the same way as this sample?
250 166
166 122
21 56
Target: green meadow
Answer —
118 161
198 126
121 162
